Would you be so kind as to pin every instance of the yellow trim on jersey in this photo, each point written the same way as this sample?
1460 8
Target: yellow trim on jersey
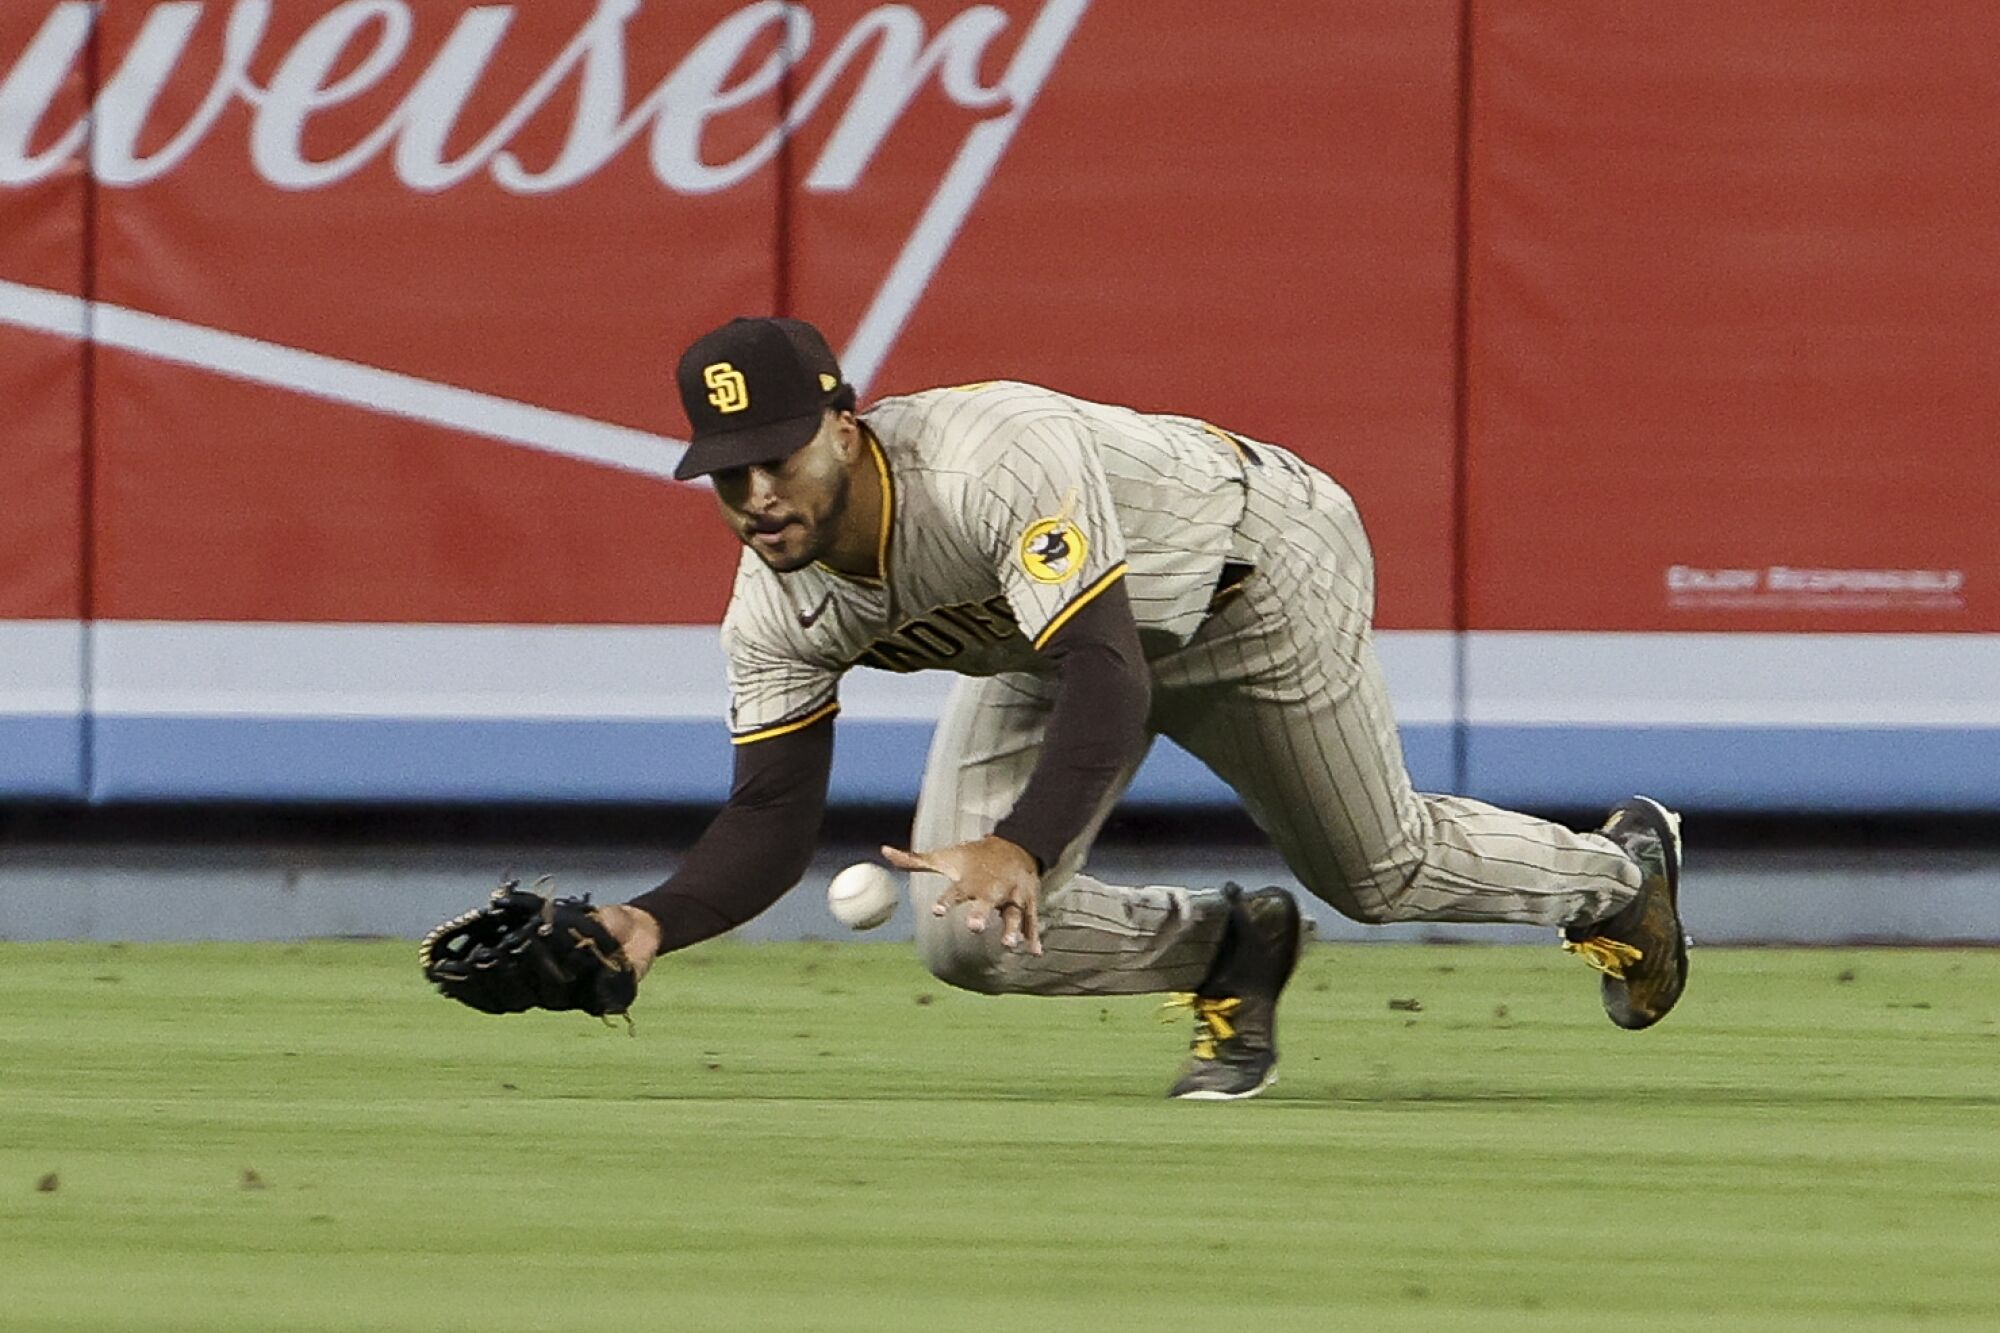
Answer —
888 518
786 728
1237 446
1082 599
888 506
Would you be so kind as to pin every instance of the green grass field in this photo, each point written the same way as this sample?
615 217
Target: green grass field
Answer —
822 1137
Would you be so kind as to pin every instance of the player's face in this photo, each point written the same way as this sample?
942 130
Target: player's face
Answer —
790 512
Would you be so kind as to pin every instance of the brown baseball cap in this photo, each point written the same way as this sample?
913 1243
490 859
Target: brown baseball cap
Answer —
754 391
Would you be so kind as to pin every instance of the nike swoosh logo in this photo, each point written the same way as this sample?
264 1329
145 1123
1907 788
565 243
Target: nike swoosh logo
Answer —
807 619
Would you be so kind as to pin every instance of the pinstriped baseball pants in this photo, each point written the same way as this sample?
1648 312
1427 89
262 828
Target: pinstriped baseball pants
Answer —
1280 694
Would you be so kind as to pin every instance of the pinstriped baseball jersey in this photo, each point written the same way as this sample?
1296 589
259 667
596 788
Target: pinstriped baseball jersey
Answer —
1009 508
1278 693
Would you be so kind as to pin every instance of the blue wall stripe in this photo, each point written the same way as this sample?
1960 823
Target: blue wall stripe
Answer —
385 760
41 757
1740 768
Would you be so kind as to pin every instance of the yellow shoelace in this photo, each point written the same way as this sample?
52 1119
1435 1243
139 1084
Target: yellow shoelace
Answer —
1212 1019
1607 955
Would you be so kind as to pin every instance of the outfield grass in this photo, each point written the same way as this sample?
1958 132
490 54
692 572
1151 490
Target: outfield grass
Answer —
822 1137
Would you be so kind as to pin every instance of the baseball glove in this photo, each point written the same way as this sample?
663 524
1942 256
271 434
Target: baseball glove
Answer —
525 951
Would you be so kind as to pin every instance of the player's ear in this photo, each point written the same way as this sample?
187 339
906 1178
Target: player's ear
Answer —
846 436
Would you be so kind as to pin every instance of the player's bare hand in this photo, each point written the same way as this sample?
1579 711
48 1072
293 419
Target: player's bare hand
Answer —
994 875
637 933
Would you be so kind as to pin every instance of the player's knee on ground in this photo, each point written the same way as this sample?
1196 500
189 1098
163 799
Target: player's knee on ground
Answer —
957 956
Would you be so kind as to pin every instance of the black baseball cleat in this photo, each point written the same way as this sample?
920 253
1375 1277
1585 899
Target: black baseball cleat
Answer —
1641 949
1235 1049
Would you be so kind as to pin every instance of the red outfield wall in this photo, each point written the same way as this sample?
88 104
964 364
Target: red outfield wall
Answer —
41 374
42 446
1152 211
1619 323
1733 287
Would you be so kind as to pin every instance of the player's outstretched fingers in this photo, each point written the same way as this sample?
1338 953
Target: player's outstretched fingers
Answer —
1010 925
954 893
1021 931
1030 932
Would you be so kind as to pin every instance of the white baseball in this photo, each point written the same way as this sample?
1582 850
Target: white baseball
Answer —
863 896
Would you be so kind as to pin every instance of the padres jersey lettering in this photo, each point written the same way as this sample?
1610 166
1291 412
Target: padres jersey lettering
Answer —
934 640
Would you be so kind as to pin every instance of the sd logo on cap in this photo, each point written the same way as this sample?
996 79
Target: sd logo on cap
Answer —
754 391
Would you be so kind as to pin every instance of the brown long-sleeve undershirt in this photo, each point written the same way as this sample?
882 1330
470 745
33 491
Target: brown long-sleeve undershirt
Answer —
761 842
1097 725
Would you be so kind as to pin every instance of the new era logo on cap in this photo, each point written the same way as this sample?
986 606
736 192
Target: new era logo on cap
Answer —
754 391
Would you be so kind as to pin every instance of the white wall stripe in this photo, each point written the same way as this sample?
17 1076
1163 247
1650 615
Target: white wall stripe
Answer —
209 669
366 387
620 672
1419 666
206 669
1734 680
41 667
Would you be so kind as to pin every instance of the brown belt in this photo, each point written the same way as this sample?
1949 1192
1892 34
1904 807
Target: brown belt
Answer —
1228 583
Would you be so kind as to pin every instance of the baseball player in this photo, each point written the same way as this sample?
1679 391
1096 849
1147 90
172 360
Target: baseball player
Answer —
1097 577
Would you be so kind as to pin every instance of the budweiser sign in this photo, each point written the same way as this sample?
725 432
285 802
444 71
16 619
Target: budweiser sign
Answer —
888 53
270 91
